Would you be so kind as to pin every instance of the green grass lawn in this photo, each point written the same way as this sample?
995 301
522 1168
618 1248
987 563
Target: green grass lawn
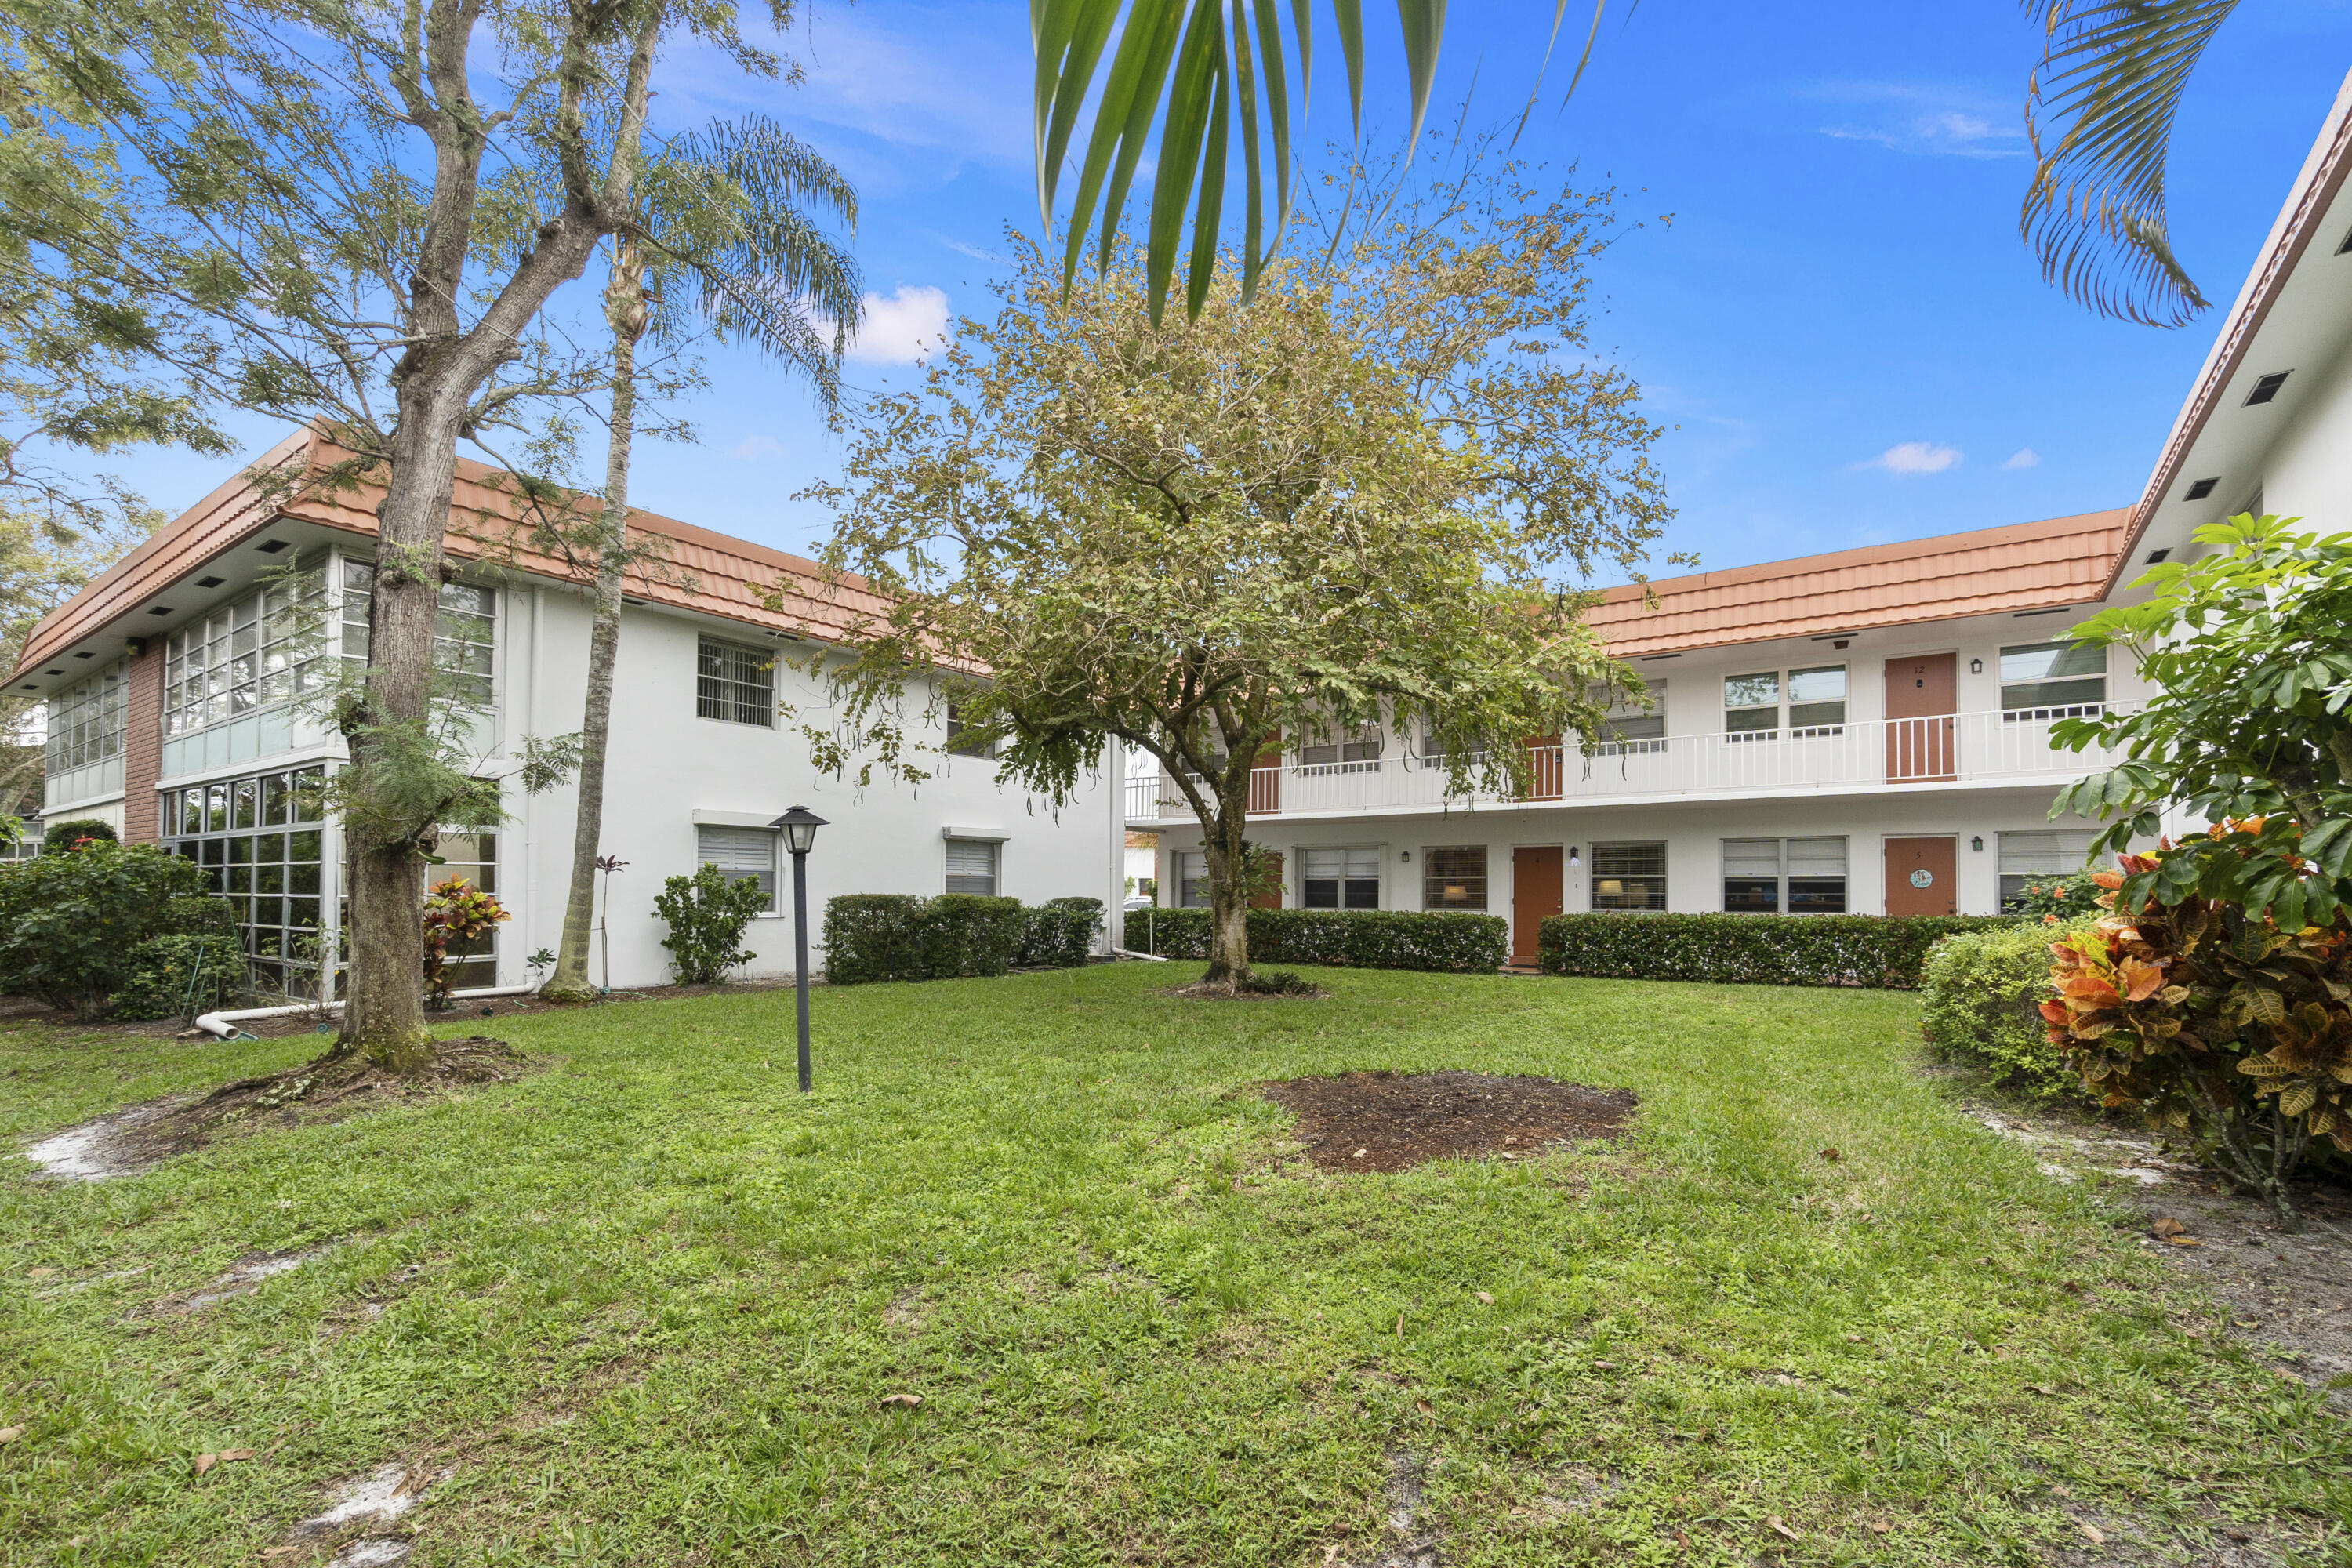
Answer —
646 1302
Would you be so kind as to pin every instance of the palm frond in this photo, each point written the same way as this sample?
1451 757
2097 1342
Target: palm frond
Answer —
1215 61
2100 113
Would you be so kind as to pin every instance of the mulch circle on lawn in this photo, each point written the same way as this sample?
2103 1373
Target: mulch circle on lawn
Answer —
1393 1122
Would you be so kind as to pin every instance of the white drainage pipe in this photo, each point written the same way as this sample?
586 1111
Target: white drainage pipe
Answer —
224 1025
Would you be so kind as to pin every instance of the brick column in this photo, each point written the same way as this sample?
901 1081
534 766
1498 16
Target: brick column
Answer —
143 743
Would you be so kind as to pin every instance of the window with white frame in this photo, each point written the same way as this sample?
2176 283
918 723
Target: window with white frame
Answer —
261 844
2052 681
1339 878
1191 880
28 845
1799 876
473 961
2028 858
742 855
965 740
86 722
465 634
972 867
252 653
1753 709
1454 878
1631 729
1353 751
735 683
1629 876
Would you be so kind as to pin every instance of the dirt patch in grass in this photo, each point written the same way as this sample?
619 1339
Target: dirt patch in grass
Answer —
1393 1122
1278 985
128 1142
2287 1294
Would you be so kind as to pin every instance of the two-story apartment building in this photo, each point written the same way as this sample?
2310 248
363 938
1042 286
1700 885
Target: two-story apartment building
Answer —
1866 730
181 687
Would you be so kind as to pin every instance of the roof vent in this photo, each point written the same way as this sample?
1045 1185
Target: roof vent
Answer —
1653 658
2267 387
56 672
2056 610
2345 249
210 582
272 546
2156 555
2199 489
160 610
86 653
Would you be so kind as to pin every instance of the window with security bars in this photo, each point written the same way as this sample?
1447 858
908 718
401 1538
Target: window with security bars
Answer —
1798 876
742 855
972 867
1339 878
86 722
465 636
735 683
1454 878
261 844
1629 876
252 653
2028 858
2052 681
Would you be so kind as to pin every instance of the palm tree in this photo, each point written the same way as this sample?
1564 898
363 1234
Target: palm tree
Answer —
1224 55
723 243
2100 109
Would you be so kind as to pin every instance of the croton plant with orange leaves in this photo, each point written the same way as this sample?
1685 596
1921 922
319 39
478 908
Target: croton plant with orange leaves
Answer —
2228 1030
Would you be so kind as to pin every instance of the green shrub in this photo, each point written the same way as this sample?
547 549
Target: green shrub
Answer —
707 916
57 837
1980 995
2069 898
71 925
181 975
1061 933
1874 951
1440 941
896 936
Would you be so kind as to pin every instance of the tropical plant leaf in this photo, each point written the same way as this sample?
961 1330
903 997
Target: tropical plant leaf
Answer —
2100 111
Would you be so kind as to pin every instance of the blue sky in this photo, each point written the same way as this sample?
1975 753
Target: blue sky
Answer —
1839 324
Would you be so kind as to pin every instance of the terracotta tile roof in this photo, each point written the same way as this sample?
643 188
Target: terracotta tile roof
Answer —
2025 566
696 570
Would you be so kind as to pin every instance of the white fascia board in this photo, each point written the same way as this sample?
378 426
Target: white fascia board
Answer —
737 819
984 834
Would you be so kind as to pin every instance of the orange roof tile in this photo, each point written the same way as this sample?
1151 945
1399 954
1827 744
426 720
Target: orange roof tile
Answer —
696 570
2025 566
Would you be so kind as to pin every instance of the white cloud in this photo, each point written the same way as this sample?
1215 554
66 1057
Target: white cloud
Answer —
902 328
2024 457
1937 121
975 252
1914 458
753 447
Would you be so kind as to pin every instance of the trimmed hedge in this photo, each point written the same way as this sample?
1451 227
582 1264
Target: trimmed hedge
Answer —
1882 952
1441 941
1980 1001
897 936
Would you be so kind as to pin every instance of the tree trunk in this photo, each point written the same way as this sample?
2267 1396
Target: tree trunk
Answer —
624 309
383 1013
1229 966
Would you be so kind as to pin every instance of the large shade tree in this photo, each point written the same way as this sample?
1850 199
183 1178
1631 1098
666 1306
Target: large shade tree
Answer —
1364 497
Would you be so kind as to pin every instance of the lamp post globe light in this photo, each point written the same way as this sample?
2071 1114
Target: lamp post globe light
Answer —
799 827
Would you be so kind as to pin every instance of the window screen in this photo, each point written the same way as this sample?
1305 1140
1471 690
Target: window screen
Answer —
2053 679
1629 876
1816 871
1752 705
972 867
1453 878
2026 859
742 855
1751 875
735 683
1817 698
1339 879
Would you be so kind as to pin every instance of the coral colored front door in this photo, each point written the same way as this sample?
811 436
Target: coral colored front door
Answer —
1919 875
1920 697
1535 896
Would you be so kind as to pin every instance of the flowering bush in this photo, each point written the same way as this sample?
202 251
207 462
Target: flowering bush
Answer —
2226 1027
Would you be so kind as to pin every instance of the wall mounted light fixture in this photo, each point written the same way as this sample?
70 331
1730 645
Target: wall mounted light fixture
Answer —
1976 844
1976 667
1404 855
1572 861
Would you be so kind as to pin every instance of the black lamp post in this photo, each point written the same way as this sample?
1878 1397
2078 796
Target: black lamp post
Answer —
799 827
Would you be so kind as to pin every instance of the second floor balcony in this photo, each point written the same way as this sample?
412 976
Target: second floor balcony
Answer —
1960 750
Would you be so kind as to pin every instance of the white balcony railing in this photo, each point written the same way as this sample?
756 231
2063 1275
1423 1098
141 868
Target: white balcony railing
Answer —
1990 748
